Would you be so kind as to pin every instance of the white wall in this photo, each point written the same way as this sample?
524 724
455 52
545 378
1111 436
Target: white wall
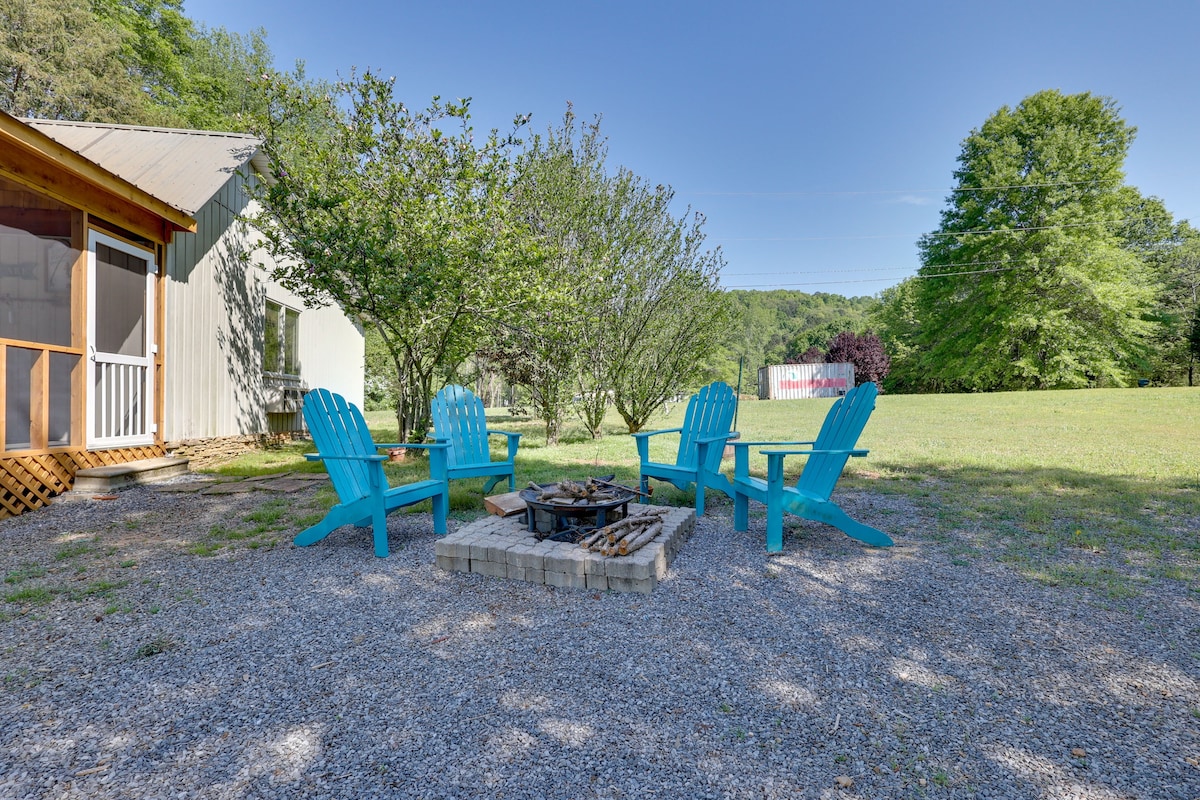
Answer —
214 311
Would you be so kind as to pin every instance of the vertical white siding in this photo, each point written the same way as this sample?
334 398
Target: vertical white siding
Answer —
214 310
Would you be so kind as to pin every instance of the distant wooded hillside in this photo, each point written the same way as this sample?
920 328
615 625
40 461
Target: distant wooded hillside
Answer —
771 327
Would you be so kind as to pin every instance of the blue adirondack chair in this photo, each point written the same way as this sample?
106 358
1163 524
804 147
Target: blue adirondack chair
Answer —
356 469
706 427
459 421
809 498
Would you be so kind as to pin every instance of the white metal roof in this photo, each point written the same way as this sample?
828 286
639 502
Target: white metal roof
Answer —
182 168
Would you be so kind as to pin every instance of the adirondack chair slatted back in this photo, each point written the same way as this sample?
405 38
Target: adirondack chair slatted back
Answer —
840 431
458 417
338 429
709 413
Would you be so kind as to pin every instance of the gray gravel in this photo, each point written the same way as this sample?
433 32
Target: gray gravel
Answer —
280 672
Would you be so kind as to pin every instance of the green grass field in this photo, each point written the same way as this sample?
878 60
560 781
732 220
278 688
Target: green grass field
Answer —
1098 488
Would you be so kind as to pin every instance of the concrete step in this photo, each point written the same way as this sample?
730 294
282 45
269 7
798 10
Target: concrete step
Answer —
102 480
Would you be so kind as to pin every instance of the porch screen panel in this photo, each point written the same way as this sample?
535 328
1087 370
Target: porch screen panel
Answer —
18 419
62 366
35 286
121 293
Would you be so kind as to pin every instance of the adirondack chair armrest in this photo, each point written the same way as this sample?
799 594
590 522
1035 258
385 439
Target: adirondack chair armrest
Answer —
721 438
857 453
319 457
426 446
642 438
740 443
514 441
741 455
644 434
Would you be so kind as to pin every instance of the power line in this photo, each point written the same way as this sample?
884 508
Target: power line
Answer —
882 280
837 193
935 234
840 271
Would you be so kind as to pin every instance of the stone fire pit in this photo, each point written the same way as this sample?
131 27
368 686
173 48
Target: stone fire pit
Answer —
504 547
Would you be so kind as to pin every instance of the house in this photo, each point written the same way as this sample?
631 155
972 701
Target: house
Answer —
136 319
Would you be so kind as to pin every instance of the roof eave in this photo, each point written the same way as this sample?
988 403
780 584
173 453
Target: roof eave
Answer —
38 145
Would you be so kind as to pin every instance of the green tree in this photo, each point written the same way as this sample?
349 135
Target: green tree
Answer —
223 71
59 61
398 216
156 36
667 313
629 309
896 320
1027 282
1180 304
561 196
139 62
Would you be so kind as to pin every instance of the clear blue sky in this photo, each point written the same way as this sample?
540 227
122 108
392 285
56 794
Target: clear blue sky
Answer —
819 140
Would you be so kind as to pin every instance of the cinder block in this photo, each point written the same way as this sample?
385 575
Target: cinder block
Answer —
628 567
565 581
479 549
656 554
460 548
572 560
515 573
593 564
535 575
522 555
496 551
442 548
494 569
546 548
598 582
453 564
640 585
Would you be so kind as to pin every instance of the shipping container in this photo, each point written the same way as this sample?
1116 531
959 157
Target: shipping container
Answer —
802 381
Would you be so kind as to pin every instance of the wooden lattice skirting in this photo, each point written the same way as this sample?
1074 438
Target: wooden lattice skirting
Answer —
29 482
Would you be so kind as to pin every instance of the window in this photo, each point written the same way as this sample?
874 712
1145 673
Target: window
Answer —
281 340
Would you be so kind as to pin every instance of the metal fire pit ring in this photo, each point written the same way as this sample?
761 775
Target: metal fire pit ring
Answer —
564 514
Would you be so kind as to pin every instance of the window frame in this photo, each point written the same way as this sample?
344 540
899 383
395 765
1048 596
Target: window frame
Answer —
288 347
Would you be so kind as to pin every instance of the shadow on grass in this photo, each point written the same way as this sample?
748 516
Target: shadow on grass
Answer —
1113 534
1059 526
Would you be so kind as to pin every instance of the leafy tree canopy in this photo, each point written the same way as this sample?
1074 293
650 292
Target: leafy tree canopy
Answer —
58 60
630 308
138 62
1027 283
399 216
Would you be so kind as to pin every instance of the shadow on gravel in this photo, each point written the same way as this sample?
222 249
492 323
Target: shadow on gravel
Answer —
928 670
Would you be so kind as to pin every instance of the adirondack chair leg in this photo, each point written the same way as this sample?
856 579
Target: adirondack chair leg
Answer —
741 512
774 529
831 514
441 507
774 503
491 484
699 496
379 532
338 516
645 485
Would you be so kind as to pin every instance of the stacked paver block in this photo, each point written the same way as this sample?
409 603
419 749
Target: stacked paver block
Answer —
503 547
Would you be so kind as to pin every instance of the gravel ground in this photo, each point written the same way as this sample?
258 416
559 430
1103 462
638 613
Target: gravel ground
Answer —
162 666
